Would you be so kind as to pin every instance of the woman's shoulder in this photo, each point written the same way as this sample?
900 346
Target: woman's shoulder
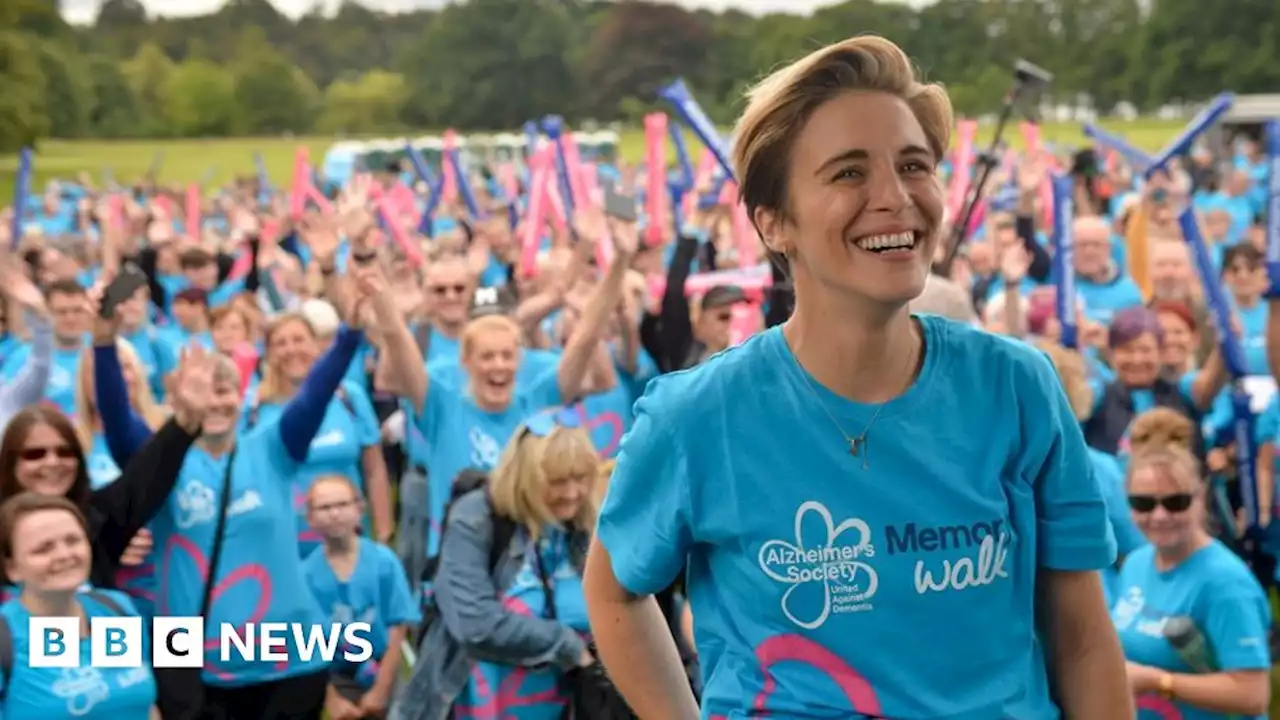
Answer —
1224 573
982 349
101 601
732 371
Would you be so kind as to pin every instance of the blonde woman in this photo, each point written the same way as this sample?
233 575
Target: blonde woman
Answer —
349 442
1192 618
504 632
807 477
466 418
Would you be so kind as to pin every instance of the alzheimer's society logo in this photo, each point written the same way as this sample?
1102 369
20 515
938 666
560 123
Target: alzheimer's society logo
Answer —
824 566
82 688
196 504
484 449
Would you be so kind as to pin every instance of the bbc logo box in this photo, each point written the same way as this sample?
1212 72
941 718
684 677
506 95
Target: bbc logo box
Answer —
117 642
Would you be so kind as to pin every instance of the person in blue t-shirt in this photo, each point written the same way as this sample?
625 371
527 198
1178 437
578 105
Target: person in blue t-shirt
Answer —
466 418
349 441
1192 618
357 580
69 307
880 514
259 576
44 543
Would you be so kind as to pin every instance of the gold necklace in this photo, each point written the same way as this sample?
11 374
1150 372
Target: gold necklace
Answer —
857 445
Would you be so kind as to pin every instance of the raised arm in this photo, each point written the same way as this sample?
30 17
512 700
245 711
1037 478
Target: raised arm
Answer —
581 345
137 496
304 414
403 359
29 385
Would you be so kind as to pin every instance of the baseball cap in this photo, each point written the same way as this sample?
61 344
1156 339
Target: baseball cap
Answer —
721 296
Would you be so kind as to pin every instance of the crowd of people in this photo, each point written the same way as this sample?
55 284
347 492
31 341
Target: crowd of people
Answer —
570 490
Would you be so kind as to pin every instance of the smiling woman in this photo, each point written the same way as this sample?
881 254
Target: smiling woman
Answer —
837 157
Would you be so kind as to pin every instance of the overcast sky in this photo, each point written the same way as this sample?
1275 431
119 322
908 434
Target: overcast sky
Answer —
83 11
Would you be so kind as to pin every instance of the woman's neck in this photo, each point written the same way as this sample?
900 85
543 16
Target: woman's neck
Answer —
448 328
217 445
50 604
1170 558
340 547
855 348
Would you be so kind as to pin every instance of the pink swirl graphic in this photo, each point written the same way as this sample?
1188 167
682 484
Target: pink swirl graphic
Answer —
795 648
137 580
607 419
502 702
1165 709
249 572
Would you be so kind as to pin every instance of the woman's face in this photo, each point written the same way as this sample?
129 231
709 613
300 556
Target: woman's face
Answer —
492 363
230 331
47 463
864 199
1138 361
564 496
1179 341
51 552
333 509
224 408
292 350
1167 530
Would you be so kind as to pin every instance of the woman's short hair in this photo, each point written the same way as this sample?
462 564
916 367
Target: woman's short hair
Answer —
483 325
1132 323
779 106
26 503
530 462
1174 462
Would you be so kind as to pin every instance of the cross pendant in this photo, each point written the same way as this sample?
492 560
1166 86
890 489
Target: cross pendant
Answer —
855 447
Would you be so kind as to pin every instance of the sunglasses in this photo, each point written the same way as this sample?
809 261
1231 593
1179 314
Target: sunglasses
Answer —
544 423
1176 503
448 289
33 454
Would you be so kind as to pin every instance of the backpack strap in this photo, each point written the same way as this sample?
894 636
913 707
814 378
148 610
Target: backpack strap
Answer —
6 655
105 600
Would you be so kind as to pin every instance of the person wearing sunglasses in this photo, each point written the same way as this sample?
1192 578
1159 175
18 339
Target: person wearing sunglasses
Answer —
1191 617
41 453
504 635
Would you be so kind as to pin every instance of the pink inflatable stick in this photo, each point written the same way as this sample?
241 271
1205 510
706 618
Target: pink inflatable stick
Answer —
655 140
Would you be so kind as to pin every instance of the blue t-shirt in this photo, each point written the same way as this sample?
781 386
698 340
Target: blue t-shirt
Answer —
1217 592
1110 477
460 435
61 389
377 593
85 692
158 356
350 425
1103 300
1253 322
805 564
259 576
497 690
101 466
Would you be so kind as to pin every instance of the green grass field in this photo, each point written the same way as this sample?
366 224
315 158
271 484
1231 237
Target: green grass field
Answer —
187 161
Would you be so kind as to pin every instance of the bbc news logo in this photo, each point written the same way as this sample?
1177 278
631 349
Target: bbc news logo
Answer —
178 642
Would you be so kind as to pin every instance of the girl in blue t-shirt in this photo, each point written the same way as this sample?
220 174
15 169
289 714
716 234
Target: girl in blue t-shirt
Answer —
357 580
1192 618
44 541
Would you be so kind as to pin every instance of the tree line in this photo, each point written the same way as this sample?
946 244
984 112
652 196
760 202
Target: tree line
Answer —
491 64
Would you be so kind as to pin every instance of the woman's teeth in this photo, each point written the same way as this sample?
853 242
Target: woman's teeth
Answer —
895 242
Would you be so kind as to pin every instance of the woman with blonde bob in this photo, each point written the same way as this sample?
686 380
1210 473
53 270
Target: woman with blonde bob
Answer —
1191 616
860 492
508 589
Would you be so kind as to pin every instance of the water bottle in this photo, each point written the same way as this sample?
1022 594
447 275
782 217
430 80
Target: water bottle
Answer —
1190 644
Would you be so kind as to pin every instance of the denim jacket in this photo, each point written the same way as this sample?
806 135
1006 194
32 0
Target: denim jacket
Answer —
472 624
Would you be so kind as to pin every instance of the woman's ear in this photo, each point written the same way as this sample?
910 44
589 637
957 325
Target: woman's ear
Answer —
769 224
